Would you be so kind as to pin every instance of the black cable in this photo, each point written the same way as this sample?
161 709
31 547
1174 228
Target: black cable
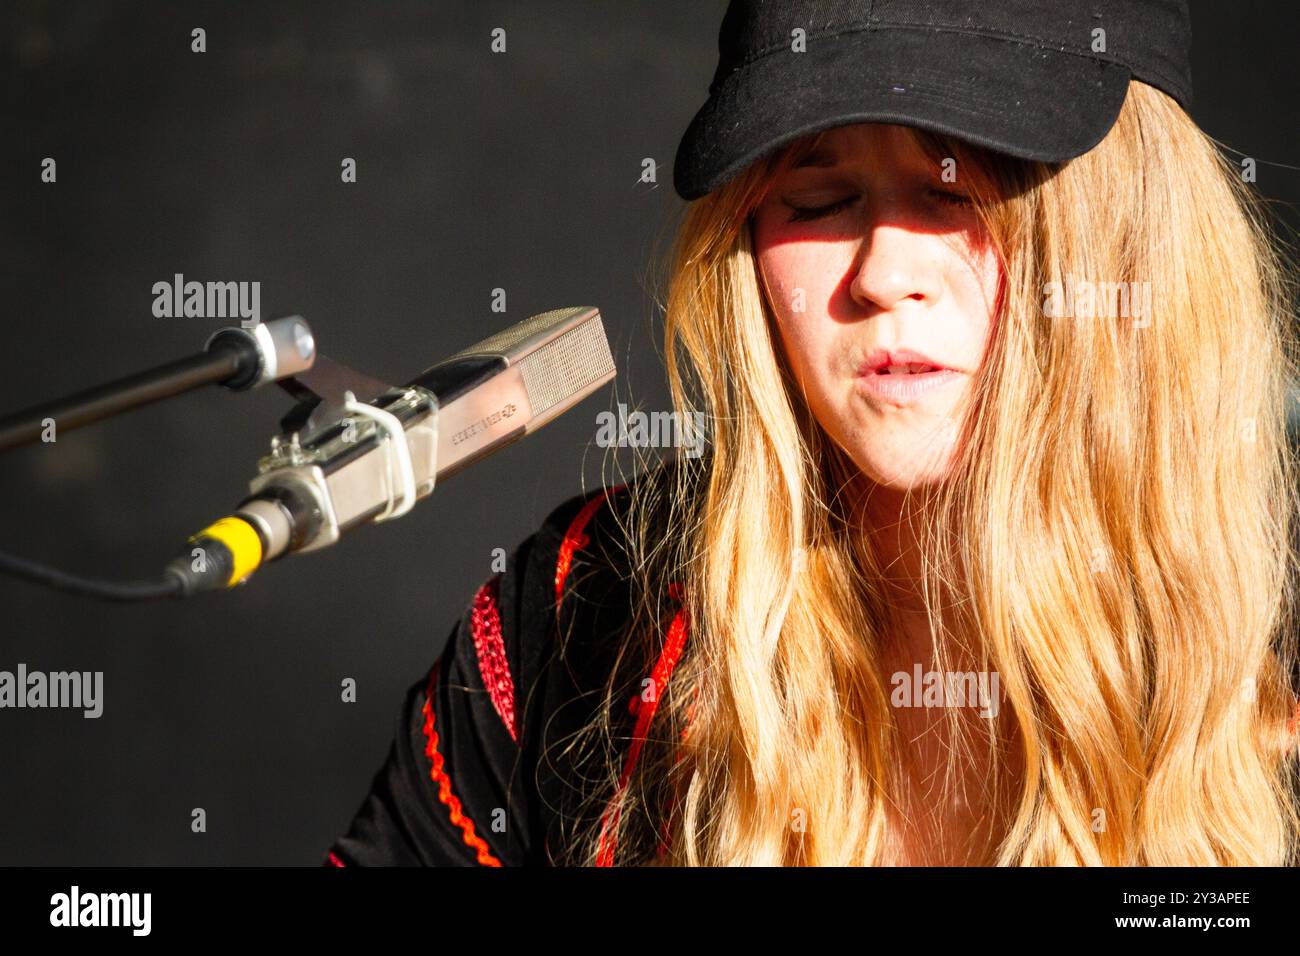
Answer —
104 590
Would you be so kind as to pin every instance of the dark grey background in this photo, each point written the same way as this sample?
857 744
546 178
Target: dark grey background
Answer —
476 171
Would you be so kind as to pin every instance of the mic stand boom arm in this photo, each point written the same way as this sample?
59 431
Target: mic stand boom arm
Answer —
237 358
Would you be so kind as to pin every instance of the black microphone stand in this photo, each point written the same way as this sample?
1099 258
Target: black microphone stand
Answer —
237 358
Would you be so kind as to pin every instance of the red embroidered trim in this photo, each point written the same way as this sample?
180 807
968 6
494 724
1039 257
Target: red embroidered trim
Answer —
575 538
663 669
439 776
665 835
485 619
334 860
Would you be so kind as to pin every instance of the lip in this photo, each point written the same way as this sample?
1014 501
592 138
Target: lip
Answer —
879 358
902 389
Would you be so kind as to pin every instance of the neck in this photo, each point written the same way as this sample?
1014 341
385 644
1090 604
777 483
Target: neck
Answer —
893 522
893 525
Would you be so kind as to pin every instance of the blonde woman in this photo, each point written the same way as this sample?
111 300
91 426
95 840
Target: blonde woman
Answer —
989 561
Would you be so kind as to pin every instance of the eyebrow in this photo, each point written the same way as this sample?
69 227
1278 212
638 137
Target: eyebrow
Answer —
819 157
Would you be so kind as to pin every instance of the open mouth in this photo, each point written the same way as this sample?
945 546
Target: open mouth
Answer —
909 369
901 384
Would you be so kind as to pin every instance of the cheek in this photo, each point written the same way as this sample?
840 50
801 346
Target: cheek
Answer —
799 302
799 278
977 283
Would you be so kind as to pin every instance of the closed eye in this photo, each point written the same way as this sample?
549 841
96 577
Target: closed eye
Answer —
808 213
950 198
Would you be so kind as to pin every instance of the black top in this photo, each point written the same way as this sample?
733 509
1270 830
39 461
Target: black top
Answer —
481 770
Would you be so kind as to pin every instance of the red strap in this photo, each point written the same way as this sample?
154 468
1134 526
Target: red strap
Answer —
665 836
334 860
439 776
575 537
645 712
485 620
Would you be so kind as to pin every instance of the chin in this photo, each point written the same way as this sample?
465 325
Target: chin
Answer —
912 469
907 482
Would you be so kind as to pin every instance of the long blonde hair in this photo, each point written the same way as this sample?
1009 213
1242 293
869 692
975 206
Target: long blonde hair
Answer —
1119 524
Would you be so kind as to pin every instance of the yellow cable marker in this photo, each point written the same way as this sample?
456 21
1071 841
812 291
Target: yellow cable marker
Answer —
244 544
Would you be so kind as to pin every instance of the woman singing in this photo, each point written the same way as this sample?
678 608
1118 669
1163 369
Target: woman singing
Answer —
989 559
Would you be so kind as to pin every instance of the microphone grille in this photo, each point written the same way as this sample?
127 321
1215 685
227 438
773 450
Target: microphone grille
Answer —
507 340
567 368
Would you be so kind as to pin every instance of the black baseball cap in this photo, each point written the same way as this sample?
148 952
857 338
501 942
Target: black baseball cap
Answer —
1038 79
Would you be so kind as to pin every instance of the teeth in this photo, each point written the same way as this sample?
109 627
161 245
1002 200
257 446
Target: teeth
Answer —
913 369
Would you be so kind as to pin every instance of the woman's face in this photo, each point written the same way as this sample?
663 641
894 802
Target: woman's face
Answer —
874 265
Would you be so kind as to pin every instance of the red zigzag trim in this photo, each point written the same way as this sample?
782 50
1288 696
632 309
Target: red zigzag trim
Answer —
439 776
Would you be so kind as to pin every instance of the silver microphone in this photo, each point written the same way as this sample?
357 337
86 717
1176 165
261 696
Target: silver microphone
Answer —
356 450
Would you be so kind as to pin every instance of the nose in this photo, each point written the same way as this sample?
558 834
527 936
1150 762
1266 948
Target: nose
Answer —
894 267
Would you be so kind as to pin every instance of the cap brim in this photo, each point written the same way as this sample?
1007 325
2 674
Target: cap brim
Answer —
1011 97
